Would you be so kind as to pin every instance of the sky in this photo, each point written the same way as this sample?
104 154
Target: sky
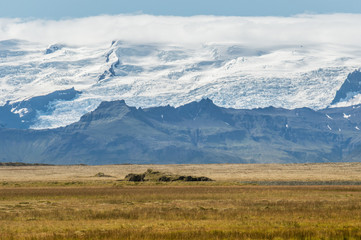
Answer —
62 9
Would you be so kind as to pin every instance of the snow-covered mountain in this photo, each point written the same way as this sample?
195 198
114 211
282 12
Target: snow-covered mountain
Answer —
273 89
152 75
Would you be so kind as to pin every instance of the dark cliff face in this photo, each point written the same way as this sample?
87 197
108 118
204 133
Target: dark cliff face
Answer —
198 132
349 88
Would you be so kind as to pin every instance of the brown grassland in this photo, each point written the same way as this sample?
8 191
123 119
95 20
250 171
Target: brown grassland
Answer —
68 202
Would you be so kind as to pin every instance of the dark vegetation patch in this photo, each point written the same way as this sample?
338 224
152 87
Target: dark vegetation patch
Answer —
156 176
101 174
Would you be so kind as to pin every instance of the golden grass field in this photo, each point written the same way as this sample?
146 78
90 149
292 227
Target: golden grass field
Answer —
219 172
68 202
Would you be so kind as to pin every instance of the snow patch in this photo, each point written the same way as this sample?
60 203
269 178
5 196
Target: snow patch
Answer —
329 117
21 112
346 116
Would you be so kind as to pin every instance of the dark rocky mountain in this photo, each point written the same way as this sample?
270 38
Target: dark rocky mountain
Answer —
350 88
198 132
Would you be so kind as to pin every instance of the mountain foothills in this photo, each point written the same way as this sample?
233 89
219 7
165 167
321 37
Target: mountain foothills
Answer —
198 132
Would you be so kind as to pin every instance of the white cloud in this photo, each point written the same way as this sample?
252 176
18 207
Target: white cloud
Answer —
337 29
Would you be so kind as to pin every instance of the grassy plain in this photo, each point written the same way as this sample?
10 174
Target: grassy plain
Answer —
68 202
